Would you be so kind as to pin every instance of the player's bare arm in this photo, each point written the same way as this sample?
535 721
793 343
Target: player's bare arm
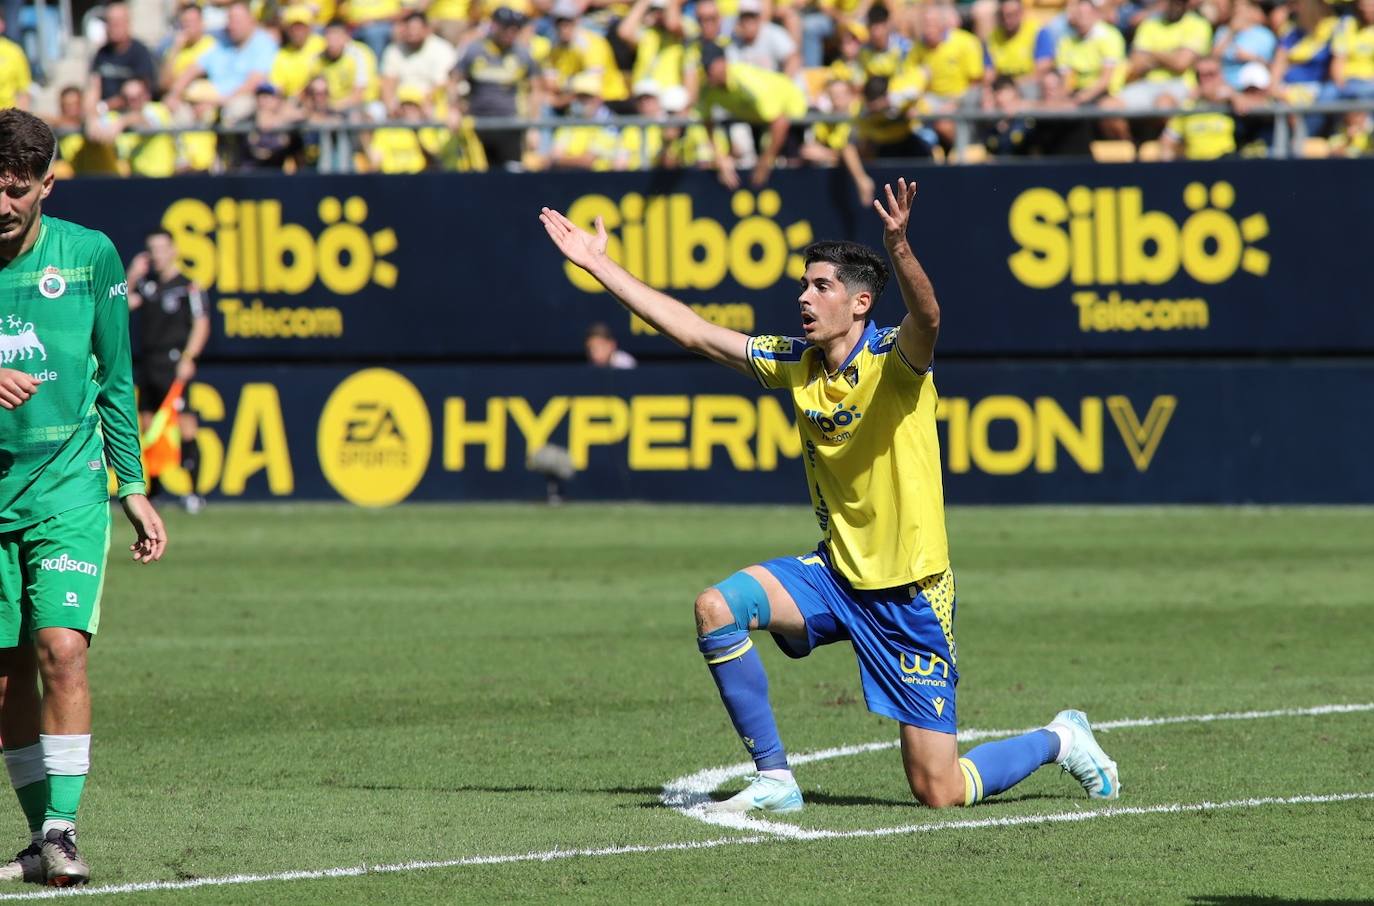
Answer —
15 388
664 313
921 325
150 538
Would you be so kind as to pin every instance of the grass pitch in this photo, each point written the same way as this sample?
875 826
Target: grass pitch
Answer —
312 687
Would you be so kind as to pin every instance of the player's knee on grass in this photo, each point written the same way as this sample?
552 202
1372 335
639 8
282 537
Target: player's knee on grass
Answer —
738 603
942 789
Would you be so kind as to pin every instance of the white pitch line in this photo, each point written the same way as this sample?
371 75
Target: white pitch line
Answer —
554 855
687 795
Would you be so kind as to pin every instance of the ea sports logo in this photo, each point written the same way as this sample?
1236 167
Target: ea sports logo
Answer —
374 438
51 284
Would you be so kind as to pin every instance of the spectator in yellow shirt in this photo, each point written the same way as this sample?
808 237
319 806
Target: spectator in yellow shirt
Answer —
1011 52
398 149
1203 135
349 68
1092 54
1159 72
849 65
763 99
642 147
1352 53
15 76
690 147
198 152
657 33
885 48
143 155
829 144
577 49
188 45
595 147
953 63
295 59
888 127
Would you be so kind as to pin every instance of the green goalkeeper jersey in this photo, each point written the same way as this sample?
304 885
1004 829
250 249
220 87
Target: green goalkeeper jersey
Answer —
64 318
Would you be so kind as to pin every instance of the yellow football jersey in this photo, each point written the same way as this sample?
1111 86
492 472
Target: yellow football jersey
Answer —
871 454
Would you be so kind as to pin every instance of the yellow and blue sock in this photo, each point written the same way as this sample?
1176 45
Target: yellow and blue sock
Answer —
736 667
997 766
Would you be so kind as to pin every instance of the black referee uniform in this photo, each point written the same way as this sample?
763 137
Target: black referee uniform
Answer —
168 311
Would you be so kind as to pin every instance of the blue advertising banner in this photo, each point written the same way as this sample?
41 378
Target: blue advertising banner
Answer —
1010 433
1047 260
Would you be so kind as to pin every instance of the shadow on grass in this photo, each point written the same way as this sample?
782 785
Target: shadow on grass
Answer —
653 795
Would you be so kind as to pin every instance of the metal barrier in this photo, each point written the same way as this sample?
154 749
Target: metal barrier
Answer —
337 140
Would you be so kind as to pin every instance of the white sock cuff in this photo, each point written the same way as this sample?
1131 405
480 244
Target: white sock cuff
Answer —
25 765
66 755
1065 740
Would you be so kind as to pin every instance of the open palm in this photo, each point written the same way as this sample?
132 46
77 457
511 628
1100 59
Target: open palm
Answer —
577 245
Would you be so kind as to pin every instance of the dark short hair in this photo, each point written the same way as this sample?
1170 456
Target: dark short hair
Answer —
710 52
159 231
600 329
878 12
27 145
1003 81
857 266
414 14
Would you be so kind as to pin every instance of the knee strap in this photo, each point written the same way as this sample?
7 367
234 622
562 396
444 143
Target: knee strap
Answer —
746 599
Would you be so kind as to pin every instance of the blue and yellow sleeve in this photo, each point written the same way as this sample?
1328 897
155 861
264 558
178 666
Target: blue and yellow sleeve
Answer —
777 361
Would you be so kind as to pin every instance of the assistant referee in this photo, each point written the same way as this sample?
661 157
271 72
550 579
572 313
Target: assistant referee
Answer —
175 329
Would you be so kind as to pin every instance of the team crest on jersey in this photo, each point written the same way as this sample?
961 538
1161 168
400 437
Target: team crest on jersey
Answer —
19 341
51 284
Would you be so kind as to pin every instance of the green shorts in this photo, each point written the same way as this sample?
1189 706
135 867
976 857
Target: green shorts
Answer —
52 574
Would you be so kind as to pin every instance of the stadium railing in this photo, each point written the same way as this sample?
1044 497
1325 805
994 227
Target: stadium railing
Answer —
338 141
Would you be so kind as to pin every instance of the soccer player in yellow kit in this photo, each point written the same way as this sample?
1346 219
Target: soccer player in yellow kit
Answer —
880 578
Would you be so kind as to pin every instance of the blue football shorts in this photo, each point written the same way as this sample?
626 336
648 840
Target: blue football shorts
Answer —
903 637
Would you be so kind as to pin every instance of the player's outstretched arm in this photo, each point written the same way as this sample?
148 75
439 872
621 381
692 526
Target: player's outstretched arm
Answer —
664 313
921 325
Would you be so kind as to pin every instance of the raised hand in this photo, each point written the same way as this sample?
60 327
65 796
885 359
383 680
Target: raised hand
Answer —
577 245
897 213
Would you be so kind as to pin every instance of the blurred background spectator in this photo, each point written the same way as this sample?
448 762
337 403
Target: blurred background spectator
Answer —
121 58
15 74
497 73
420 59
763 64
603 351
236 68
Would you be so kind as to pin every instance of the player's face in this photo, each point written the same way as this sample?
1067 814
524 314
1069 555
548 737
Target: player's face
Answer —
827 306
21 202
161 251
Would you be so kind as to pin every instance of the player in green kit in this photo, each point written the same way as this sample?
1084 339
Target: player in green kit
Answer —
66 410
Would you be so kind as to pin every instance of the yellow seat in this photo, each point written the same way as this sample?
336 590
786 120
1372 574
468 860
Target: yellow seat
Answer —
1113 152
1150 152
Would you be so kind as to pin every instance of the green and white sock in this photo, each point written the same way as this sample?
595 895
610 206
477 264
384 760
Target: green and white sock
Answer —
30 779
67 760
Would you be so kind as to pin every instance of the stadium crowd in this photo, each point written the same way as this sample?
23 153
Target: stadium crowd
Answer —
288 75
